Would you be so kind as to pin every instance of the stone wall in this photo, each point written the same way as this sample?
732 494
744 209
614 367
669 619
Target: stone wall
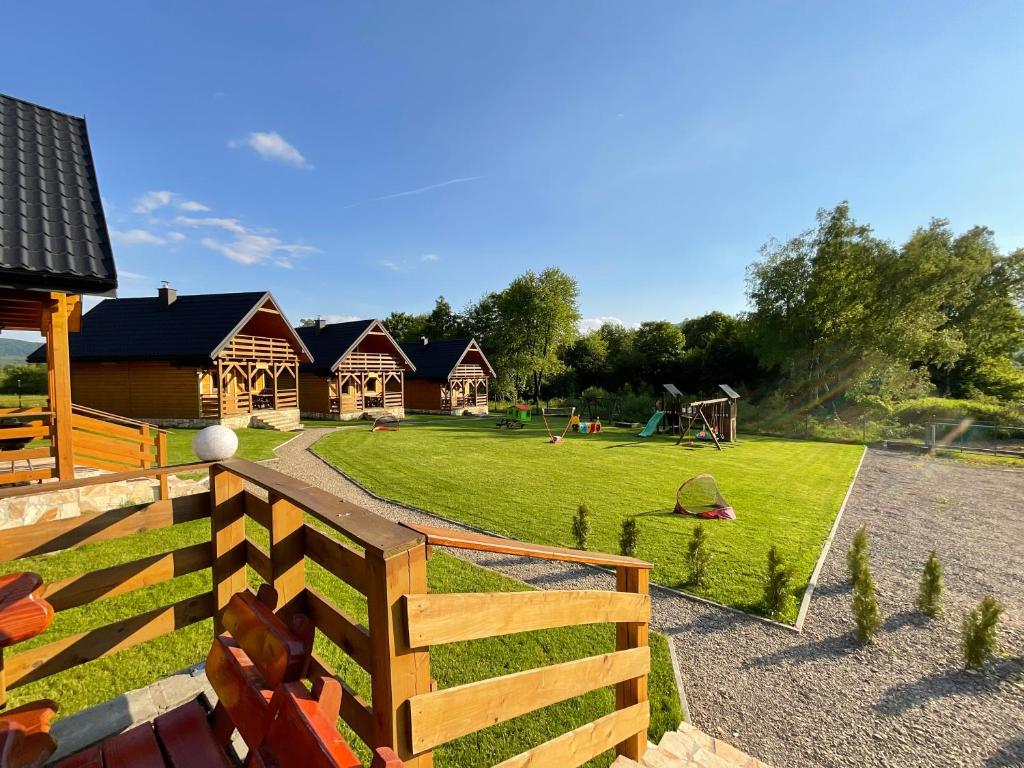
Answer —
72 502
234 421
370 413
474 410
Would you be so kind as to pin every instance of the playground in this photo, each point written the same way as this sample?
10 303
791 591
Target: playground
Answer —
514 482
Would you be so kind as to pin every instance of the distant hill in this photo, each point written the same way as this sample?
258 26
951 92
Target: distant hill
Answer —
14 351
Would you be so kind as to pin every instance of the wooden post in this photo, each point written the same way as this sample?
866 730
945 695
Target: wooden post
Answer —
287 555
161 461
227 519
631 635
398 671
58 364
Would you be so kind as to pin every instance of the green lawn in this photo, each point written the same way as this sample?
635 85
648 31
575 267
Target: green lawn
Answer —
27 401
785 492
451 665
253 444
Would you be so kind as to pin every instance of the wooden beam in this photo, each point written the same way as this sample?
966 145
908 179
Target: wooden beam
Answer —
585 743
228 536
446 537
341 560
45 660
127 577
435 619
287 555
631 637
56 535
58 363
341 629
442 716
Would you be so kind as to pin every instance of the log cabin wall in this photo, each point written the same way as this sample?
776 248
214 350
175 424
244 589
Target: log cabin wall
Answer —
423 395
137 389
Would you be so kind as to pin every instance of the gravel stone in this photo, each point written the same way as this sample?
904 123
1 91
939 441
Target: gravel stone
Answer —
818 698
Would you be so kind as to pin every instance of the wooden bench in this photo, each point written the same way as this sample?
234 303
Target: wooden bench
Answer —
256 668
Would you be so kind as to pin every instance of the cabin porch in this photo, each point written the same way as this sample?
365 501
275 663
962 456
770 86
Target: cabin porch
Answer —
62 440
252 374
465 393
267 528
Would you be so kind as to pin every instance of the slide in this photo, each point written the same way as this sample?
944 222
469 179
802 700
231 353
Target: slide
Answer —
652 425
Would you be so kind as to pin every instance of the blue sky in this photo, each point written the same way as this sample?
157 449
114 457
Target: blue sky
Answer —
356 158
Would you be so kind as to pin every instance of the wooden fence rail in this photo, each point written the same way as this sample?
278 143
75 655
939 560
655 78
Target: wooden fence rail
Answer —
385 562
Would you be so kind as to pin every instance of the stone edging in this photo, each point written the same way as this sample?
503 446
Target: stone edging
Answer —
677 672
466 526
805 603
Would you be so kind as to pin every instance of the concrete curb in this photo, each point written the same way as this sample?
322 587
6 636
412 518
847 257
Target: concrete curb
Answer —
678 674
805 603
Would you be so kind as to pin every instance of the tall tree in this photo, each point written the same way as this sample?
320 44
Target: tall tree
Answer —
539 315
659 346
404 326
442 322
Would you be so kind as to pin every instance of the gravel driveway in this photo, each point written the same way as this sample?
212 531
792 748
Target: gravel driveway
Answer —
817 698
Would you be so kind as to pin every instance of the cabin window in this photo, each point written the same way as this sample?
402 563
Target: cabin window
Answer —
348 387
206 383
372 385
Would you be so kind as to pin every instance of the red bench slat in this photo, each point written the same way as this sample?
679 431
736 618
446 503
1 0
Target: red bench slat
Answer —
187 740
300 736
87 758
137 748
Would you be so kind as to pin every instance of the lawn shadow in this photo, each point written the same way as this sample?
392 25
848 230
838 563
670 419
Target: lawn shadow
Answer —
904 697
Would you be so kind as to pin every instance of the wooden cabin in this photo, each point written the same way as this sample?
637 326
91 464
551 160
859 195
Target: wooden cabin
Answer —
54 247
190 360
451 377
357 368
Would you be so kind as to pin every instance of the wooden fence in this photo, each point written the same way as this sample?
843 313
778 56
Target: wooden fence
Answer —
385 562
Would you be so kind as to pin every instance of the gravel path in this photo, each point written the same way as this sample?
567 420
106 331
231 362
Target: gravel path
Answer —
817 698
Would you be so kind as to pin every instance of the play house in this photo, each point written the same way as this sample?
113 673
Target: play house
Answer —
190 361
451 377
357 369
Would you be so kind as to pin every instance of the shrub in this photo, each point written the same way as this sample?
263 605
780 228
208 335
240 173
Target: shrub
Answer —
777 585
866 615
698 557
929 595
32 378
857 555
978 640
581 526
630 537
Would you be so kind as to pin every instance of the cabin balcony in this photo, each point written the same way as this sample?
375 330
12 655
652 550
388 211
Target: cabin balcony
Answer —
262 348
263 527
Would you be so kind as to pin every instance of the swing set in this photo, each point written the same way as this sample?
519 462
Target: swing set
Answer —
552 437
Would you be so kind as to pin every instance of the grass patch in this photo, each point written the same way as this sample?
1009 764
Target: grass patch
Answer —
253 444
100 680
27 401
786 493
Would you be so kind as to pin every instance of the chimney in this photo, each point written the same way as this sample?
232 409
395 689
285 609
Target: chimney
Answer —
321 323
166 293
424 340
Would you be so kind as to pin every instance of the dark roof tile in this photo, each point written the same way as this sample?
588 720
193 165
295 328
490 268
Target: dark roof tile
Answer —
53 234
436 359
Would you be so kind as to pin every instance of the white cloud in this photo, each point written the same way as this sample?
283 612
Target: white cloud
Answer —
340 318
588 324
231 225
176 236
430 257
131 275
137 237
251 249
193 205
417 191
272 146
389 265
153 200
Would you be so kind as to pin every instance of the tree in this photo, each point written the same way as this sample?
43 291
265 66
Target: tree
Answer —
309 322
538 315
442 322
588 357
581 526
979 633
659 347
629 538
866 616
777 584
929 595
405 327
698 557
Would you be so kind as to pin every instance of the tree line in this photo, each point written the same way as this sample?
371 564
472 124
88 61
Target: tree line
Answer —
837 316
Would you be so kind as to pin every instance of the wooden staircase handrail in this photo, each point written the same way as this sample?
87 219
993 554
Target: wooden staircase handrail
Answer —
456 539
113 417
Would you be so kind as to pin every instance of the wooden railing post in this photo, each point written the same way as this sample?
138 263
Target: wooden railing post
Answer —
227 518
287 555
399 672
631 635
161 461
58 363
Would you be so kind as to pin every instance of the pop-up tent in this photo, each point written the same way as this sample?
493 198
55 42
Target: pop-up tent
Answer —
699 496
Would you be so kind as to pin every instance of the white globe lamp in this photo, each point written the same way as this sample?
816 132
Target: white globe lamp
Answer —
215 443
